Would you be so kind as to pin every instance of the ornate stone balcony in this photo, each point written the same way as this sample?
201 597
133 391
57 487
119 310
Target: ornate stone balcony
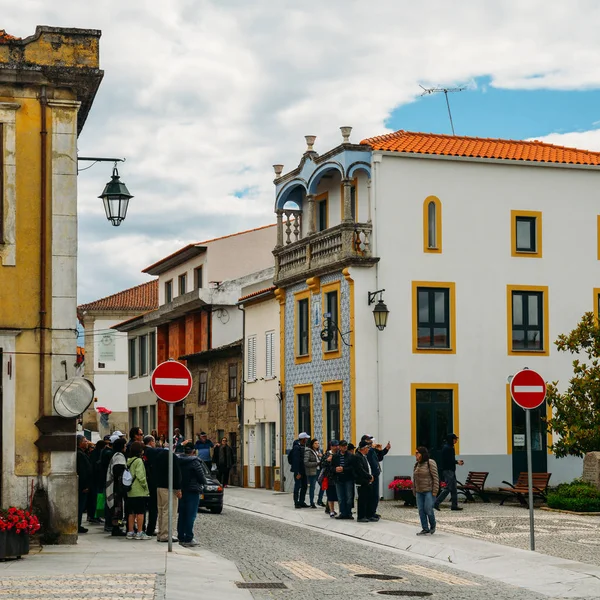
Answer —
335 248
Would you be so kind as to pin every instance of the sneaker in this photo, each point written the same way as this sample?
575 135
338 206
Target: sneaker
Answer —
432 530
423 532
140 535
456 508
82 530
321 503
194 542
304 505
130 535
313 506
374 519
362 521
185 544
333 514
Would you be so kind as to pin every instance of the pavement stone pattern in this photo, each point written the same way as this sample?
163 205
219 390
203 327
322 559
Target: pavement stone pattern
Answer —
317 564
557 534
85 587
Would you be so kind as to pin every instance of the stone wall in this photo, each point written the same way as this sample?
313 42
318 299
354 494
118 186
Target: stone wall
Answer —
591 468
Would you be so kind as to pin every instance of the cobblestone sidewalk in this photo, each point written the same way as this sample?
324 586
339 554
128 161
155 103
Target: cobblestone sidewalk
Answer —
556 534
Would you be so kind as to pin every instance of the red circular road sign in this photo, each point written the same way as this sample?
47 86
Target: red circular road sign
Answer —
171 381
528 389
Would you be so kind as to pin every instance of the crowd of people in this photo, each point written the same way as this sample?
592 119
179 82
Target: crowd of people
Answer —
347 474
123 483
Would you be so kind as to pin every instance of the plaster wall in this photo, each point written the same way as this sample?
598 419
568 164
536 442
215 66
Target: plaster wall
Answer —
227 325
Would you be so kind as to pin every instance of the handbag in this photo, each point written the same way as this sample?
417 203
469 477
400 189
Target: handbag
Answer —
325 483
100 500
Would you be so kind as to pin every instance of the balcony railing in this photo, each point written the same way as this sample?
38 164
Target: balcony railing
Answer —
344 243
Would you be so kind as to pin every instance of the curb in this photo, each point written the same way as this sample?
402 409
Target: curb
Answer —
570 512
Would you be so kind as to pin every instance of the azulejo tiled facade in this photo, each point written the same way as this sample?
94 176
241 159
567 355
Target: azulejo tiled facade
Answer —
318 370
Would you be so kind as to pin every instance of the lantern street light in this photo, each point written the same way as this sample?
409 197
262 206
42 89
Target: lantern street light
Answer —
380 312
115 196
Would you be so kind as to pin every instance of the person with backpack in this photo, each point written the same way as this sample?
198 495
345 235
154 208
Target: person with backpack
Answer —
426 483
192 481
137 495
296 461
115 489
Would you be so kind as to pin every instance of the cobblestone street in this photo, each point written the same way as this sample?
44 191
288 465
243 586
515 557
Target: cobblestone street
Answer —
313 564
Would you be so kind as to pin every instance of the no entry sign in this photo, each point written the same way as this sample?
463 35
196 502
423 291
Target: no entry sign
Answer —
528 389
171 381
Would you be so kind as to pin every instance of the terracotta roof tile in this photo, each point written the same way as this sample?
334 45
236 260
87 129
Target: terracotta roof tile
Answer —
450 145
258 293
143 297
6 38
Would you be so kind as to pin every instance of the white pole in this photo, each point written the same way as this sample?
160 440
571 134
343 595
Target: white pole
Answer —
171 450
529 479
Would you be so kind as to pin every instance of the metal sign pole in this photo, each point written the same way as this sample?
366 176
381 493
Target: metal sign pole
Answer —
529 478
171 450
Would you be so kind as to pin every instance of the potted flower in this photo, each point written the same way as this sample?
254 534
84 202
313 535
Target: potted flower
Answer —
16 525
403 490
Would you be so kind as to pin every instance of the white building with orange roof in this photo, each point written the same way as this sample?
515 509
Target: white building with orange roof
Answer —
483 251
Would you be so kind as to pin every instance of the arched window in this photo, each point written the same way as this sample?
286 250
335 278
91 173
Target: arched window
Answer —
432 225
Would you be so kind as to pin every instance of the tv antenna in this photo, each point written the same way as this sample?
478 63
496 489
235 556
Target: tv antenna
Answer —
446 91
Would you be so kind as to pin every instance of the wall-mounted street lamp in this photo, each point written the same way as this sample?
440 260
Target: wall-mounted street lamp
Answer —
380 312
115 196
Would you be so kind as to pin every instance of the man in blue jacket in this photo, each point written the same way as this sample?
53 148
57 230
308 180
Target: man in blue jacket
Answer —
448 466
203 446
296 461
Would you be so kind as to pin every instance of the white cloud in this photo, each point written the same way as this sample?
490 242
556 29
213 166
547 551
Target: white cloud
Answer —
203 96
588 140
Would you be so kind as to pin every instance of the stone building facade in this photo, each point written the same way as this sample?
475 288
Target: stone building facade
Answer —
214 403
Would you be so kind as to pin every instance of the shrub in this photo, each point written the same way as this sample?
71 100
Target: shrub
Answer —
577 496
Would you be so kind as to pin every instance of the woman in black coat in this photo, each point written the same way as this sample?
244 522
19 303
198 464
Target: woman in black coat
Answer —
223 458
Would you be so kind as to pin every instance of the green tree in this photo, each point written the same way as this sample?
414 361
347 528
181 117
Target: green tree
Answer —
576 412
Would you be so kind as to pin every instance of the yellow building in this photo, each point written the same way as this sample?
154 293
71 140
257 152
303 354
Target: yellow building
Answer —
47 85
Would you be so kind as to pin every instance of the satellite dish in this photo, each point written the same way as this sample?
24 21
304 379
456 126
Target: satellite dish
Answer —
73 397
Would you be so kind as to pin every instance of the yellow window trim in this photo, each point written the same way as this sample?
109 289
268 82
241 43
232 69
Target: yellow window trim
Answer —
450 285
413 409
332 386
438 225
598 234
348 278
324 197
306 357
546 314
595 304
303 389
355 184
325 289
538 233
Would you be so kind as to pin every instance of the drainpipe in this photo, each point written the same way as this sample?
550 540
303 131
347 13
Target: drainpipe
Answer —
43 266
242 388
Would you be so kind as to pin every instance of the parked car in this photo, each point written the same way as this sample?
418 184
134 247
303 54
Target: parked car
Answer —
211 496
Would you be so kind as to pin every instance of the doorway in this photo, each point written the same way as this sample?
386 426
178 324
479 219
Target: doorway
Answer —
1 424
251 456
539 440
434 413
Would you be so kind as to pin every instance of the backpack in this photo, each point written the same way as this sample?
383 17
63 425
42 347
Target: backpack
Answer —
289 457
127 479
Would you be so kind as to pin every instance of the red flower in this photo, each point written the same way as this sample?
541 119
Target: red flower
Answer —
18 520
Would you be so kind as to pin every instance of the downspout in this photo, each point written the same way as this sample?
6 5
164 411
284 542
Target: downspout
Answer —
43 263
242 388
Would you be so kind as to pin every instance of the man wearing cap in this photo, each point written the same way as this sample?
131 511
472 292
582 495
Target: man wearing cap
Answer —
364 480
449 463
343 467
296 460
203 446
375 456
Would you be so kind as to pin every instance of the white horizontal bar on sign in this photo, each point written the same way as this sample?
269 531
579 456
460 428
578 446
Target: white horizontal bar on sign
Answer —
531 389
169 381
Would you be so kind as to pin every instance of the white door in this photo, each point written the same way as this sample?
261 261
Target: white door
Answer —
251 455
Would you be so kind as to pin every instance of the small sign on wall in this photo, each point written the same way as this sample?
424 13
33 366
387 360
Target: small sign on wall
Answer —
519 440
106 347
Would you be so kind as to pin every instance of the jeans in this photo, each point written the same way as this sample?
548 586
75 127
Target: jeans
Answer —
425 506
312 482
345 494
300 489
365 502
321 493
188 509
450 479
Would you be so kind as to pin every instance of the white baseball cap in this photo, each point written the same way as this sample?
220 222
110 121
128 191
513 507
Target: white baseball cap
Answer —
114 438
118 433
304 436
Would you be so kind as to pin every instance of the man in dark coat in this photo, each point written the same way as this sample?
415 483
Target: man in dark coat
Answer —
192 480
448 466
150 453
342 464
363 476
297 464
85 476
375 456
223 458
95 488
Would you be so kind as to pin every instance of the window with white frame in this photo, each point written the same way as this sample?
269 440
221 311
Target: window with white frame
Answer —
270 365
132 361
251 365
143 355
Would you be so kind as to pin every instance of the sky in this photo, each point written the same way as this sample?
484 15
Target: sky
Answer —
202 97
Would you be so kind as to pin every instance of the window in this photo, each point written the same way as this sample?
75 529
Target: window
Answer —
144 420
269 358
182 284
168 291
330 301
432 225
332 411
202 387
304 413
152 348
321 203
251 363
198 278
133 420
528 319
153 424
302 326
233 382
526 233
132 361
434 317
143 355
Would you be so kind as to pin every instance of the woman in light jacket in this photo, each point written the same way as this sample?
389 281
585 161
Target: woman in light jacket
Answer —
312 456
425 485
137 496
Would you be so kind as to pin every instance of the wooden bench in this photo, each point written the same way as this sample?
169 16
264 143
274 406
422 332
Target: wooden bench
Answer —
474 485
520 490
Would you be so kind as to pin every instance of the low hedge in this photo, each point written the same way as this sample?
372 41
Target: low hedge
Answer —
577 496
